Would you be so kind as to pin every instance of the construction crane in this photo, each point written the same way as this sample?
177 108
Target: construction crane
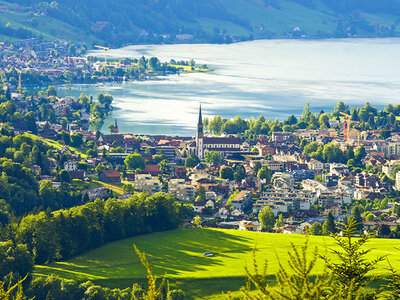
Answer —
346 129
373 131
19 79
105 52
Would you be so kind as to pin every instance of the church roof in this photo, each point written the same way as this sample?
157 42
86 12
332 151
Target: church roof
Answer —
222 140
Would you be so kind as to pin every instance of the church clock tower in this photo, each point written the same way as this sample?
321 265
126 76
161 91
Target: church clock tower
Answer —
200 137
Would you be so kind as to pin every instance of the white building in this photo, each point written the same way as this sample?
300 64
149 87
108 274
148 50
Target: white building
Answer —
71 165
181 190
147 184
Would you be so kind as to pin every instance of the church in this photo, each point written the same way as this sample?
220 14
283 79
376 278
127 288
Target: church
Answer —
202 143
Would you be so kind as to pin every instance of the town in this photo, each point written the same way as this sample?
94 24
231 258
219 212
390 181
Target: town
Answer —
36 63
294 176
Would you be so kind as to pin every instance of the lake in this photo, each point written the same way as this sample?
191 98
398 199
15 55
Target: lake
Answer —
274 78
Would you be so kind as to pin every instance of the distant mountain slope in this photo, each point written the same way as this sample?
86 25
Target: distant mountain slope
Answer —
117 22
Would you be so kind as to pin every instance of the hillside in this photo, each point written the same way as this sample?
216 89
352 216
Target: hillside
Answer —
119 22
178 254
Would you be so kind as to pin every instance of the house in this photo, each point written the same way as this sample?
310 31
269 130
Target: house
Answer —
153 170
236 213
78 174
71 165
130 177
246 225
283 137
98 192
199 206
147 184
265 150
180 172
210 203
242 200
223 212
283 180
181 190
334 208
110 176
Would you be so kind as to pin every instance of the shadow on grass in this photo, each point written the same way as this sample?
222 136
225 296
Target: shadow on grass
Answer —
178 253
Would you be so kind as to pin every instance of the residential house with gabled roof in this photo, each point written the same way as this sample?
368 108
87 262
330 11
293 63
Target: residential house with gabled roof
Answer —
110 176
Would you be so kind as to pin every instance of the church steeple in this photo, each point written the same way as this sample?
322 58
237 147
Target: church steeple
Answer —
200 118
200 124
200 137
116 129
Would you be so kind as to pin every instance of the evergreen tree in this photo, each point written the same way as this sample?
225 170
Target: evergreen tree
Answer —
329 225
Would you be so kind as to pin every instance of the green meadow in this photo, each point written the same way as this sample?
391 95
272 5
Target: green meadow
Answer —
178 254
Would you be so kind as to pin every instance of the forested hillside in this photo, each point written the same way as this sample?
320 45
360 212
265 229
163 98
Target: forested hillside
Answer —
118 22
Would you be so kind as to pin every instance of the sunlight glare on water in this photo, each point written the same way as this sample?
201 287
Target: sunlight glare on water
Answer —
270 77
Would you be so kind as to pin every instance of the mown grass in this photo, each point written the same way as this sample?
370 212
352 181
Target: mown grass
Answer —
57 145
114 187
178 254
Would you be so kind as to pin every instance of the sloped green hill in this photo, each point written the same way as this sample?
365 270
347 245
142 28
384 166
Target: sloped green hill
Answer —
117 22
178 254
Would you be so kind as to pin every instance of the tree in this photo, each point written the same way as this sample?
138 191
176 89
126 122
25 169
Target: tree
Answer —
226 172
305 116
352 270
213 157
316 229
14 292
240 173
192 161
64 176
324 119
157 158
135 161
359 154
356 212
266 218
111 127
165 167
265 174
294 280
51 91
329 227
215 124
279 222
201 192
370 217
77 139
153 292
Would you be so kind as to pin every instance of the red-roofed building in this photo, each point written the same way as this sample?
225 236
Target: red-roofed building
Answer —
266 150
180 172
110 176
153 170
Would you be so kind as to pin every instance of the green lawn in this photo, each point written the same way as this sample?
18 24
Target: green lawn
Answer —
178 254
57 145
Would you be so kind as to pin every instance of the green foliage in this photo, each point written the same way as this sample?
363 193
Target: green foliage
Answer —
266 218
135 161
352 272
316 229
293 283
66 233
165 167
213 157
265 174
192 161
13 292
226 172
329 226
153 292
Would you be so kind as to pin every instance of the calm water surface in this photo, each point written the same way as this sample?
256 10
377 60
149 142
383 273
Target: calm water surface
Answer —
274 78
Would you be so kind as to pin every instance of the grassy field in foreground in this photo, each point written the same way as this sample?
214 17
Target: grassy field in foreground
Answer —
178 254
